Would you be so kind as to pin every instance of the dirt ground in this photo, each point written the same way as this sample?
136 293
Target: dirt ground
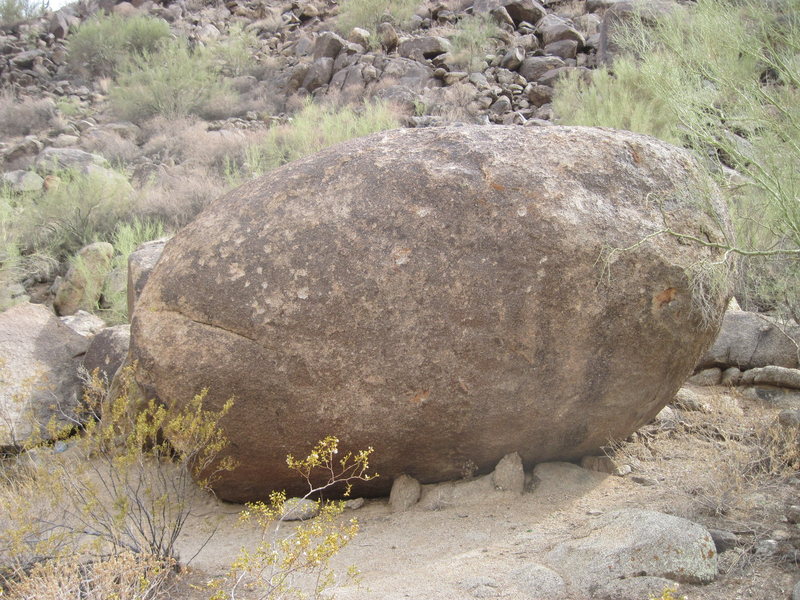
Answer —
710 465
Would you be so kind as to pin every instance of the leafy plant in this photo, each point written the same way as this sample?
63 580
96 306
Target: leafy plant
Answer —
105 43
368 14
732 99
171 81
316 127
473 39
297 564
15 11
123 485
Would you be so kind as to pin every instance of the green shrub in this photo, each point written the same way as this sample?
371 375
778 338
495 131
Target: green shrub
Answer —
236 51
16 11
171 82
721 78
368 14
472 40
104 43
316 127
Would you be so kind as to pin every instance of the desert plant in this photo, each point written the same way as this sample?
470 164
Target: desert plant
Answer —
473 38
119 487
235 52
316 127
21 116
368 14
297 564
732 99
103 44
15 11
171 81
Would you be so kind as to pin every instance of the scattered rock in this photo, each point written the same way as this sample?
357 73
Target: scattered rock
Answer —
83 283
405 493
687 399
633 543
706 377
646 481
666 418
508 475
107 351
140 263
519 10
777 376
39 358
84 323
354 504
23 181
54 160
299 509
605 464
429 46
538 582
724 540
747 340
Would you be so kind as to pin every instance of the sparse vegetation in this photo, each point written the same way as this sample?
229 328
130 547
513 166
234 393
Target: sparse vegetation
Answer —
368 14
104 44
22 116
316 127
120 489
473 39
15 11
297 565
171 81
734 100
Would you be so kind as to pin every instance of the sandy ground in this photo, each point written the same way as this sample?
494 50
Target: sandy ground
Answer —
478 545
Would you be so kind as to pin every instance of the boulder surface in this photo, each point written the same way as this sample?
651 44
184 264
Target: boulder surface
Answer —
439 294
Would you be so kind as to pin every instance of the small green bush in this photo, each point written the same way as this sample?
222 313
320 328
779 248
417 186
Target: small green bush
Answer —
171 82
368 14
721 78
316 127
236 51
104 43
16 11
473 39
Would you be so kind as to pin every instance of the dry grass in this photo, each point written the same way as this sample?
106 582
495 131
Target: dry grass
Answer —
24 116
733 468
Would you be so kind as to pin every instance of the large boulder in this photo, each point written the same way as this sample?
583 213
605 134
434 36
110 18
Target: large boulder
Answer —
748 340
439 294
39 359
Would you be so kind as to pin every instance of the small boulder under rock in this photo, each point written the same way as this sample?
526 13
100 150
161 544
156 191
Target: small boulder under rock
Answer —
687 399
84 323
299 509
509 475
405 493
706 377
772 375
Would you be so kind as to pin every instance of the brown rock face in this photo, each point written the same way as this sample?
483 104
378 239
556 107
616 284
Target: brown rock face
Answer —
436 294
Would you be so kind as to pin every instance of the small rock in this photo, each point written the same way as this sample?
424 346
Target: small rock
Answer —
706 377
723 540
686 399
562 48
299 509
83 283
789 418
509 475
604 464
766 548
793 514
646 481
84 323
107 351
772 375
405 493
23 181
53 160
731 376
354 504
359 36
430 46
538 581
501 105
666 418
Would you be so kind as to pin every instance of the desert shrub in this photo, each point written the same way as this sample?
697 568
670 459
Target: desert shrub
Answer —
297 564
368 14
721 79
236 51
474 37
119 487
171 81
103 44
127 237
77 210
15 11
24 115
316 127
